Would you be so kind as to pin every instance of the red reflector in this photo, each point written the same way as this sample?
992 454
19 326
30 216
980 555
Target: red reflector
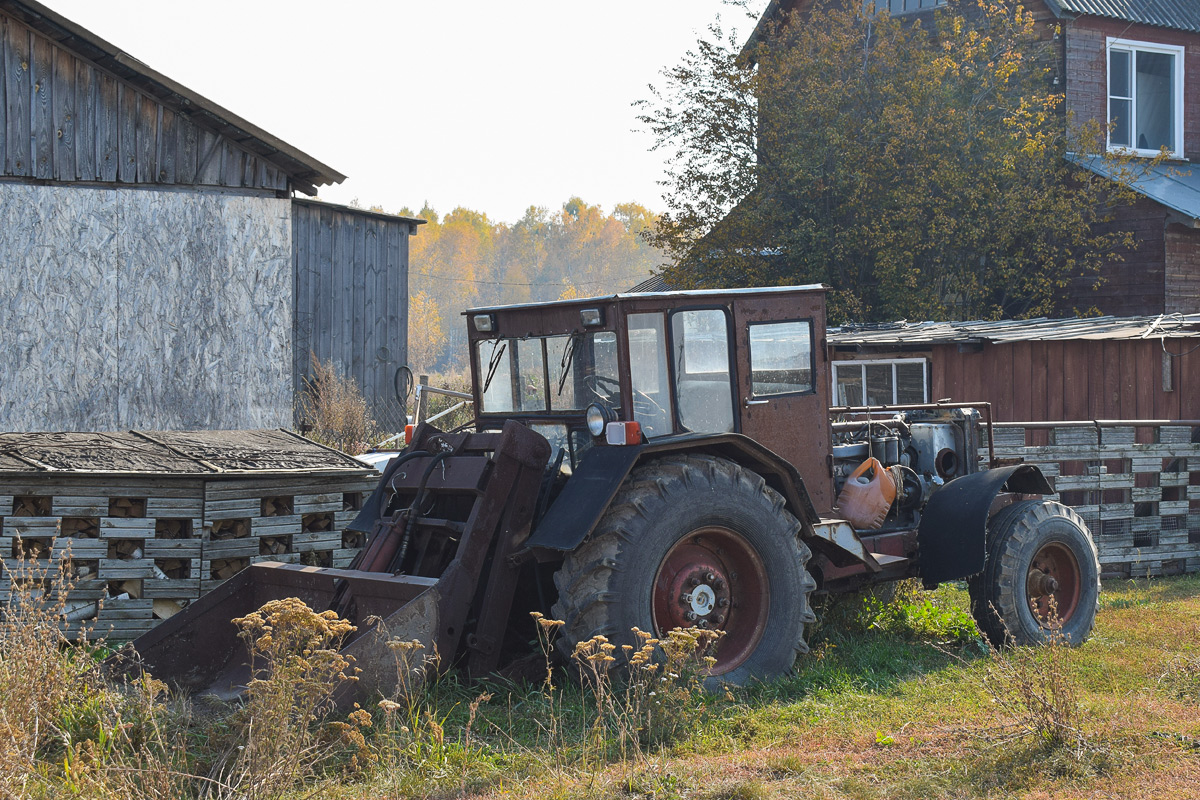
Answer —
408 431
623 433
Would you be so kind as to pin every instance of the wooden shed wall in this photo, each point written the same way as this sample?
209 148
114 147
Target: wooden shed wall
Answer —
351 299
63 118
1072 380
123 308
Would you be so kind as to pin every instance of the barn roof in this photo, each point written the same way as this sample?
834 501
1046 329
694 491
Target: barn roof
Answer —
306 172
1183 15
1170 326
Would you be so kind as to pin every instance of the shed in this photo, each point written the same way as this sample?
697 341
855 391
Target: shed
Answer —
151 251
1030 370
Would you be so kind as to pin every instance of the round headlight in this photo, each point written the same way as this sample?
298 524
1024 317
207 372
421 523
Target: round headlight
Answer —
596 418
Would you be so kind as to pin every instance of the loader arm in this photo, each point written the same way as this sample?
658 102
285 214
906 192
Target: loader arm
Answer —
438 567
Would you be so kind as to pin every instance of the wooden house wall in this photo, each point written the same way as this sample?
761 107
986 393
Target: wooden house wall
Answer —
1087 70
1072 380
63 118
351 298
1134 283
157 310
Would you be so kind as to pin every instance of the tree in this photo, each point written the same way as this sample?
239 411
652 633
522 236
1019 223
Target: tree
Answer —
426 334
921 174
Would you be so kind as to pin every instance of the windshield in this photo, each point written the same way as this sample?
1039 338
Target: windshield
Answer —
553 373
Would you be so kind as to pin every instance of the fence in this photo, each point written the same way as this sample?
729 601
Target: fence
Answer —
1135 482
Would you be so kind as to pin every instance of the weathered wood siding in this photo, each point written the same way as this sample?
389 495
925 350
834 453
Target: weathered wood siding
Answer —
1073 380
351 289
63 118
1087 70
125 308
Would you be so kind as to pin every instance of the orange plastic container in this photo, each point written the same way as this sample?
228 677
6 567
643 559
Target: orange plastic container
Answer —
864 501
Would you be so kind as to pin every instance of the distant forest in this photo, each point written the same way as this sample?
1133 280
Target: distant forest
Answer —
464 259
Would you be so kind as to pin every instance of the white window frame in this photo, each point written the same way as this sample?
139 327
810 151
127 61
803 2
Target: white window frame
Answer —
863 364
899 7
1133 46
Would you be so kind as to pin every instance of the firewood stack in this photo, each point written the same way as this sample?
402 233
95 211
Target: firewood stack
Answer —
140 549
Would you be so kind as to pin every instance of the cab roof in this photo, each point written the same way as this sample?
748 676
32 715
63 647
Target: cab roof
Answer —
812 287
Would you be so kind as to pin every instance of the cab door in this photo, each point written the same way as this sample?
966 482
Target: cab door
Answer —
783 383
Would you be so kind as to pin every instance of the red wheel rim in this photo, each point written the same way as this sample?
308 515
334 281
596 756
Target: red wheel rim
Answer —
1053 585
712 578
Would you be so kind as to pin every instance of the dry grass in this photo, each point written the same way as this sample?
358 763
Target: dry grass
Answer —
332 411
889 711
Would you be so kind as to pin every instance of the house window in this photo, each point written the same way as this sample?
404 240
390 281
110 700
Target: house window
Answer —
898 381
1145 97
896 7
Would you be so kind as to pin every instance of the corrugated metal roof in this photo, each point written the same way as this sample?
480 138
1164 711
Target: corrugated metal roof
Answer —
1171 326
1183 15
1176 186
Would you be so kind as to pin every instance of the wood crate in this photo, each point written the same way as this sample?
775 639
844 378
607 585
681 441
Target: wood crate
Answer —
1136 486
141 548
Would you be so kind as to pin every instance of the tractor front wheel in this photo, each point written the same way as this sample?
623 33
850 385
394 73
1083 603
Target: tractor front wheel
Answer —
1041 579
694 541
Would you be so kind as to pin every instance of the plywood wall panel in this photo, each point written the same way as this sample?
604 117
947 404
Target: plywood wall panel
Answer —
127 308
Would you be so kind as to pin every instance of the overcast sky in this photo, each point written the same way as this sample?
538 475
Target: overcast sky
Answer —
480 103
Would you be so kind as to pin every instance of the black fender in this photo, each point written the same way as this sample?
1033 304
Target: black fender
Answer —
595 482
952 537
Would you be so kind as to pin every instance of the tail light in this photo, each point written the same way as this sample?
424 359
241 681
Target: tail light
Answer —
623 433
408 432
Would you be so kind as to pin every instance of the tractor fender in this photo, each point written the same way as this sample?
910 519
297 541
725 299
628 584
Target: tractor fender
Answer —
951 538
589 492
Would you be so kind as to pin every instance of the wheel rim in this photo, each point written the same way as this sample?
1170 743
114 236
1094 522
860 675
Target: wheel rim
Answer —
1053 584
713 578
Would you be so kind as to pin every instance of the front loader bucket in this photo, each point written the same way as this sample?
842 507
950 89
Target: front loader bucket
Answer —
449 523
200 651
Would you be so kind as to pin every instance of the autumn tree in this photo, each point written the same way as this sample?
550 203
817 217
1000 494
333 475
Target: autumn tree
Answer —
426 332
922 174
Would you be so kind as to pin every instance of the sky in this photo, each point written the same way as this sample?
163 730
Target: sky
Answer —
488 104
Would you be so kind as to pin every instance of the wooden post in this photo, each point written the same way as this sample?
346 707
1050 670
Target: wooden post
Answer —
423 401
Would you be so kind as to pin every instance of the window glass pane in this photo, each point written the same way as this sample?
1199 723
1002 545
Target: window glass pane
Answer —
879 385
648 373
849 385
1121 135
703 389
1118 73
910 383
780 358
1155 81
532 384
495 366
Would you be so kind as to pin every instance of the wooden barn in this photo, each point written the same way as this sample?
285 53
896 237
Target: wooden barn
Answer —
155 269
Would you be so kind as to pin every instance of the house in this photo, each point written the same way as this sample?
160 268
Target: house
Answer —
156 271
1134 64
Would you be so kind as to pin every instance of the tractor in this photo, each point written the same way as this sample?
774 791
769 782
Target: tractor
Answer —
660 461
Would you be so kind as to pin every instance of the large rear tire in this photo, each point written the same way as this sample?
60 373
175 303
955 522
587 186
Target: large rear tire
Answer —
694 540
1041 577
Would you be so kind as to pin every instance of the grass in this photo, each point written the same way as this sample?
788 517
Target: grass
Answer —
897 700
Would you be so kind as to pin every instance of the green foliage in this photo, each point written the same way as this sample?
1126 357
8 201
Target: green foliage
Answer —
920 173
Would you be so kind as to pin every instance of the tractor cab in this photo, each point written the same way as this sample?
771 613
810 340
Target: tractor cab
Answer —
636 368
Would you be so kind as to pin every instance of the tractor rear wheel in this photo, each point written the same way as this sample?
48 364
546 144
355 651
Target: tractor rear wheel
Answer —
1041 578
694 541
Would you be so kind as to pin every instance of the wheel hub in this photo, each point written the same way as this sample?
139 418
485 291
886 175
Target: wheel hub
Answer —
1053 584
713 578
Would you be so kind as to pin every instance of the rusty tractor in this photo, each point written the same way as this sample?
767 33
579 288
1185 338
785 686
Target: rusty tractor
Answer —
658 461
